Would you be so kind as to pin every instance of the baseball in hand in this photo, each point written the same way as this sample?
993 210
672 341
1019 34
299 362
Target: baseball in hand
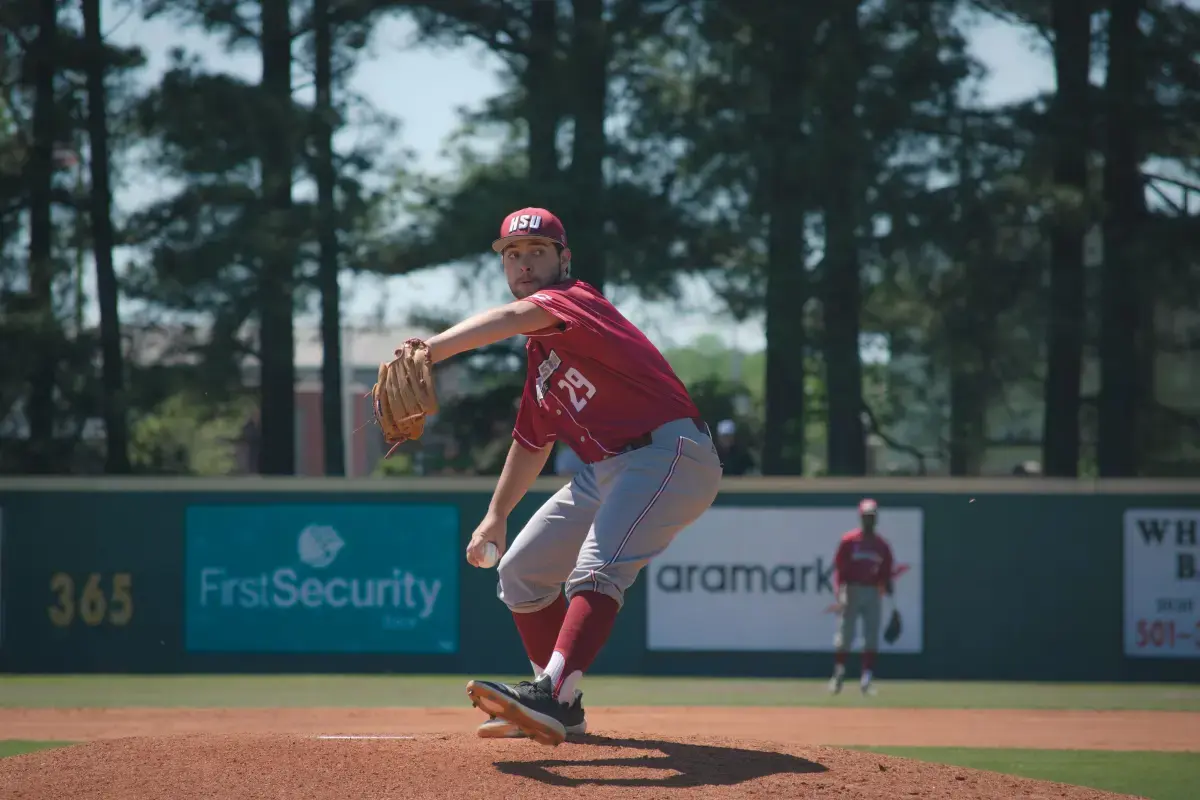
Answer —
491 554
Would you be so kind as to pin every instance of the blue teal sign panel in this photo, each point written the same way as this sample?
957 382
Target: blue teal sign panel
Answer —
322 578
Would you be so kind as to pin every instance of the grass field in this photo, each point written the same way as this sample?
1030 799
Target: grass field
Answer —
245 691
14 747
1158 776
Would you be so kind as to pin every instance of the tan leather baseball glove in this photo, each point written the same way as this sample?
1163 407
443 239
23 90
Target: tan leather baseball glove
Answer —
404 394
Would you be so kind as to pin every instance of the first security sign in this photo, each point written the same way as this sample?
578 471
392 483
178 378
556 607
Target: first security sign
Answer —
368 578
1162 583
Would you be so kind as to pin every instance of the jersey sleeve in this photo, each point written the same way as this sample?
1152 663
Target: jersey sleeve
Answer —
532 430
568 307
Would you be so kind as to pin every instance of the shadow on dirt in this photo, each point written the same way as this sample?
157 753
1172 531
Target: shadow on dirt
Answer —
683 765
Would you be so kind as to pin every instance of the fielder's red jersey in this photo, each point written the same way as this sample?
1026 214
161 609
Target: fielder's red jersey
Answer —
862 560
593 380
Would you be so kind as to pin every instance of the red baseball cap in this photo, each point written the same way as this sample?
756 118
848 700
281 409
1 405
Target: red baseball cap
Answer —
868 506
530 222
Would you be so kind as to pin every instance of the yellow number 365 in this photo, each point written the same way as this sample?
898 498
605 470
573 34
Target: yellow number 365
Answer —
91 605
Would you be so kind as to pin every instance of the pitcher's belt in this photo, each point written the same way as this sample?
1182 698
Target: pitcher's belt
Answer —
646 438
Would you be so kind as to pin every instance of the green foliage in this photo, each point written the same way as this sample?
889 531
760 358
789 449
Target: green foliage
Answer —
479 423
644 238
206 242
184 435
953 209
401 464
729 384
707 357
50 375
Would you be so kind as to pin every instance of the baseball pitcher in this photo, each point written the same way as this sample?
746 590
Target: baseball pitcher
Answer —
595 382
862 576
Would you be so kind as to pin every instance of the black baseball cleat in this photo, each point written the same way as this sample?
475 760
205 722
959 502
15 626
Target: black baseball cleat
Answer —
575 721
529 705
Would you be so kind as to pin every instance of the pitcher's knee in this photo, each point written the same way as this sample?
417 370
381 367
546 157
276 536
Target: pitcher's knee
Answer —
521 594
527 606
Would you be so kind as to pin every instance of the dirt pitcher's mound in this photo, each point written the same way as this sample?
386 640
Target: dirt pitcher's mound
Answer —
462 766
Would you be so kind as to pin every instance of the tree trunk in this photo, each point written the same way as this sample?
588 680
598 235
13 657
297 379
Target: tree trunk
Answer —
1120 323
968 409
277 343
113 374
843 152
1064 345
39 410
970 331
543 99
327 232
787 287
589 67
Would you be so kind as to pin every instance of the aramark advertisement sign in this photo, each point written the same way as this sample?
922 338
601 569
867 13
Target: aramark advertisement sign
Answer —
752 578
370 578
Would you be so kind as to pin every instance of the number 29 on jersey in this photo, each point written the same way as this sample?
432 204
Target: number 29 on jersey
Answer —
573 382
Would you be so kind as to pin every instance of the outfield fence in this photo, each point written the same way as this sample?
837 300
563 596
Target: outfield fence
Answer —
1009 579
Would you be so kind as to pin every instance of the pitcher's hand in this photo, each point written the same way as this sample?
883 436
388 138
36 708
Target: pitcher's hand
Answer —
492 529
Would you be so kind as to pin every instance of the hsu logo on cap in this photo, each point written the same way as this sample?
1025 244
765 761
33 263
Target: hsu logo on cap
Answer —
525 222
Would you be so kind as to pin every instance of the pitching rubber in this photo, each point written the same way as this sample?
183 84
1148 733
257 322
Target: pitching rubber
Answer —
539 727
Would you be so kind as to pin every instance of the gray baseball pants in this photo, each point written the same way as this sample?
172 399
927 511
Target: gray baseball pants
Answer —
598 531
865 602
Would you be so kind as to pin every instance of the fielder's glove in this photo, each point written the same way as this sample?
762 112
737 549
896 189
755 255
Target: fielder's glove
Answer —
892 632
404 394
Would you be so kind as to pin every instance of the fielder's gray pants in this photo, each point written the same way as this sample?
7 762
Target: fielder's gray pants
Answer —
865 602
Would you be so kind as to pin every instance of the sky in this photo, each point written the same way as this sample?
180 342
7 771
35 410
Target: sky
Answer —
425 88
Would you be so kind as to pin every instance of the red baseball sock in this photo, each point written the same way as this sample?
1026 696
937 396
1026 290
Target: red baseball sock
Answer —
868 660
539 630
839 658
586 628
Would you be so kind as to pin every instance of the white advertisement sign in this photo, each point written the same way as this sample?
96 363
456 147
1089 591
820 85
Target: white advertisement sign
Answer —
753 578
1162 583
1 577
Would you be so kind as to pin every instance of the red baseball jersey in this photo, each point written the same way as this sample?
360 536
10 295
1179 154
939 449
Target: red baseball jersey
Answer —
863 560
593 380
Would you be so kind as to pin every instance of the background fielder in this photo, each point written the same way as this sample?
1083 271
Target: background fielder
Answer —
863 568
650 468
